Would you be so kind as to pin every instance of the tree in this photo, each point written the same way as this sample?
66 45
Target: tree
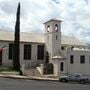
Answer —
16 51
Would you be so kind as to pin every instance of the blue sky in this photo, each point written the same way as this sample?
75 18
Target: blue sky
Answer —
75 15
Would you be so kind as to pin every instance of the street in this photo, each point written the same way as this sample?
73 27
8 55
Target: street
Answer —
17 84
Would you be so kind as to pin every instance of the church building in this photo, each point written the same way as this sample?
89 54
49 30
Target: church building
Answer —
66 54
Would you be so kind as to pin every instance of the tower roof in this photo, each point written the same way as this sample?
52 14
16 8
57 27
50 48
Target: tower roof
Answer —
53 20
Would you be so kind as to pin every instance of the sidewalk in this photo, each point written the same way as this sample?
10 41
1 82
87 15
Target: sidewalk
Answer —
13 76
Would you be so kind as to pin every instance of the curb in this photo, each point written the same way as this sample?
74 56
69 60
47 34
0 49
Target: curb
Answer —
28 78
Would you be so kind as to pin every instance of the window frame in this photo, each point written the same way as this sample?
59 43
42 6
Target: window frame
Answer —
62 66
48 28
10 53
82 59
89 59
71 59
56 27
40 52
27 51
56 37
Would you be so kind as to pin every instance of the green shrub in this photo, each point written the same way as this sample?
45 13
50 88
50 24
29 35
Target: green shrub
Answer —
6 69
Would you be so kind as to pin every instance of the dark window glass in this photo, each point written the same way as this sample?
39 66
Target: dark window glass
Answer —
40 52
10 51
27 52
89 59
56 37
62 48
82 59
71 59
61 66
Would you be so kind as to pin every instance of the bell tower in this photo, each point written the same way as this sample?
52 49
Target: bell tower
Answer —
53 37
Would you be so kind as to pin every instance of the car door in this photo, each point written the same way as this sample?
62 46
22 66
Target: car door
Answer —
77 77
71 78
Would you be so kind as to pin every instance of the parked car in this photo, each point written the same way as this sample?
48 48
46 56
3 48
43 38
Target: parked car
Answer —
75 78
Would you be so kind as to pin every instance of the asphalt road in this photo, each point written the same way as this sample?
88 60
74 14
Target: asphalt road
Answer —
16 84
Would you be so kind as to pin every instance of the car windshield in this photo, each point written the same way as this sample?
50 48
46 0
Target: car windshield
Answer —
70 75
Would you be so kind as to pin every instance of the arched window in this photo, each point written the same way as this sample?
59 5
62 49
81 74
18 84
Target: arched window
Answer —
48 28
56 27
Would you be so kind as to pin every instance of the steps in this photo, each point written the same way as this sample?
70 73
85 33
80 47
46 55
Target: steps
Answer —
32 72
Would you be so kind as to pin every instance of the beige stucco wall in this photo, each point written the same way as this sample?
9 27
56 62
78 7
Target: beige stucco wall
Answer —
27 63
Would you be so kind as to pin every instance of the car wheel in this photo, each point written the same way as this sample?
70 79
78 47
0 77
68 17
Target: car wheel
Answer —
82 81
64 80
60 80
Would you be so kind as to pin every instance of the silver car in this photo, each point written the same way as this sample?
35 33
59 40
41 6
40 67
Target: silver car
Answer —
75 78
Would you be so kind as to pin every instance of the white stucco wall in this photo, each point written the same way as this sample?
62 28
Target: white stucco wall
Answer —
77 67
57 69
53 38
5 57
28 63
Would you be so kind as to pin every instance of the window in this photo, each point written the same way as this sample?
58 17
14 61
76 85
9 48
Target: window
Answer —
27 52
89 59
40 52
71 59
82 59
48 28
61 66
56 37
62 48
56 27
10 51
47 57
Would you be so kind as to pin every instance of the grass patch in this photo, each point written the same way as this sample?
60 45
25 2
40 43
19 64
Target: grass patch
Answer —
6 69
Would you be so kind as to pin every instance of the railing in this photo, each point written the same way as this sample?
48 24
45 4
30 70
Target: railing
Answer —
34 64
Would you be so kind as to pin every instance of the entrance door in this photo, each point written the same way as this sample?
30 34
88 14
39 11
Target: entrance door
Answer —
0 57
61 66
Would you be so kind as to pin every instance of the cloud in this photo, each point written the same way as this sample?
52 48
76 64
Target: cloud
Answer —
74 13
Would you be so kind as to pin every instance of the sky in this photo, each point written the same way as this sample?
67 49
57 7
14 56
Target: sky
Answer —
75 15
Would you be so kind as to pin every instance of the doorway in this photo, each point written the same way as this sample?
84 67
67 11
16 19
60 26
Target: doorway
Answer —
62 66
47 58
